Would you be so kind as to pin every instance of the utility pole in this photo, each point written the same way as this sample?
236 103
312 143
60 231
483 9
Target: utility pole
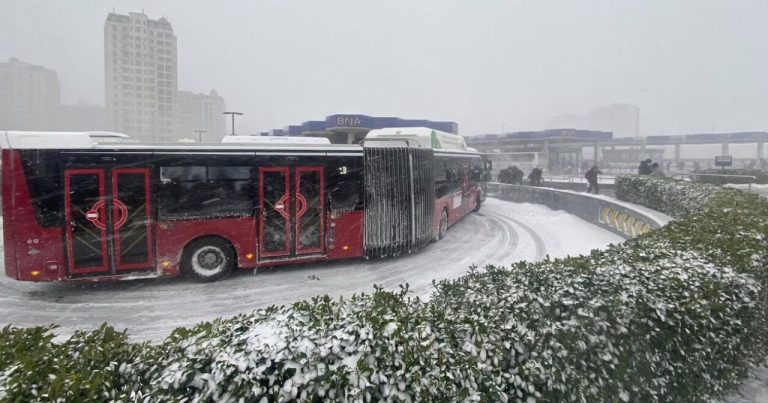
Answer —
233 119
200 135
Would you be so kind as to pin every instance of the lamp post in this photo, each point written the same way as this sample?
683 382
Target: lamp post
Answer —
233 119
199 135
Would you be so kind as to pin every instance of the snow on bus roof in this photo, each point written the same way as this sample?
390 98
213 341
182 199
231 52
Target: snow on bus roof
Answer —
424 137
110 140
48 140
274 140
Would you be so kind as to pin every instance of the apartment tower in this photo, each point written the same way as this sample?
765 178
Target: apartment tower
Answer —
141 76
29 96
201 112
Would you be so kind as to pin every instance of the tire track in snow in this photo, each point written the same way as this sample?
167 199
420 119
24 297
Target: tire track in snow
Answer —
541 248
500 233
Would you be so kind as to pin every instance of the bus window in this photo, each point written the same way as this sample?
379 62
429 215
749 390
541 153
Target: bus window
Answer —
477 170
45 189
458 171
345 178
443 177
202 191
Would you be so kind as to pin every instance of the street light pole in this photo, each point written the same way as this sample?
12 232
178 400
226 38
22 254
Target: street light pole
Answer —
200 135
233 119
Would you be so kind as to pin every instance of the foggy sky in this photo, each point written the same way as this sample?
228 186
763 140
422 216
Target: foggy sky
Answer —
691 66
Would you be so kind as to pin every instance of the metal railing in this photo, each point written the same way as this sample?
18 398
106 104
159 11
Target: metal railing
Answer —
751 179
580 178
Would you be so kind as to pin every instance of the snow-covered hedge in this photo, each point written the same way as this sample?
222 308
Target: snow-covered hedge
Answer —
674 315
728 226
674 197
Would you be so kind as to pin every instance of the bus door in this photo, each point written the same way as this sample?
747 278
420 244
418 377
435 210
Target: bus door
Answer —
108 220
292 207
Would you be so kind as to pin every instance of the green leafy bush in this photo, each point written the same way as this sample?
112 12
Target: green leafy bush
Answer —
99 365
678 314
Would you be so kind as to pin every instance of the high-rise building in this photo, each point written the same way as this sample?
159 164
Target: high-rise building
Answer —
141 76
29 96
201 112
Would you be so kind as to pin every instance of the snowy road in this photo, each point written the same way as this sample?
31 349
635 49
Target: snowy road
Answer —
501 233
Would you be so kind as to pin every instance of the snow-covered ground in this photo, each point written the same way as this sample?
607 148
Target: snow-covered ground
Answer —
754 188
501 233
754 390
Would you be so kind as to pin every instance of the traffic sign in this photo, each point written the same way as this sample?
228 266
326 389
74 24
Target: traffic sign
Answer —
723 161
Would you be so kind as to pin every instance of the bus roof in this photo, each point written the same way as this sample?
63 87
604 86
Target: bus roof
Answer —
424 137
274 140
109 140
47 140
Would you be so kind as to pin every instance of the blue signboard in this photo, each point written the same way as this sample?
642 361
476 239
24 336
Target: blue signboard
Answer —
351 121
365 122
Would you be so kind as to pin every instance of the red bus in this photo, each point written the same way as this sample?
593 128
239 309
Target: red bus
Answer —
95 206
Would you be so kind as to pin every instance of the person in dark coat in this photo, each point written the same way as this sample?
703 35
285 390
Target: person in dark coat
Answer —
512 174
535 177
645 167
518 175
506 175
591 176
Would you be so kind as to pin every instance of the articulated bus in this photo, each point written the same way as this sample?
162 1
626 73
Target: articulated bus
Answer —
96 206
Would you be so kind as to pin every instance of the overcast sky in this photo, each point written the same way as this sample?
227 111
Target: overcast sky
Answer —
691 66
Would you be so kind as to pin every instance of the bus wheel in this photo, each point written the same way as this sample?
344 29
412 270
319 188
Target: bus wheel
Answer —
208 259
478 202
443 228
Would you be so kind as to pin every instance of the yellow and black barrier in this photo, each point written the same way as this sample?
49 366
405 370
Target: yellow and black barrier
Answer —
619 217
624 222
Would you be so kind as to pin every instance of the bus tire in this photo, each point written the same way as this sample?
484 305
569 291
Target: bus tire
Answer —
442 226
478 202
208 259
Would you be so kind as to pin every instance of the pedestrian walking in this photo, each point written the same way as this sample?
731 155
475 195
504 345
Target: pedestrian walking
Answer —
591 176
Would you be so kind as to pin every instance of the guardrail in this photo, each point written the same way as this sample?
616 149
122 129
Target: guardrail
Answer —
624 219
751 178
570 179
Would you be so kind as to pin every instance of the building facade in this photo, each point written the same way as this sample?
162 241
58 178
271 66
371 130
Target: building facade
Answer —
141 73
352 128
201 112
30 96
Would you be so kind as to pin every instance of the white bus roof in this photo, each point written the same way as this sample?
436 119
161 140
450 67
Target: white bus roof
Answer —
109 140
424 137
274 140
48 140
